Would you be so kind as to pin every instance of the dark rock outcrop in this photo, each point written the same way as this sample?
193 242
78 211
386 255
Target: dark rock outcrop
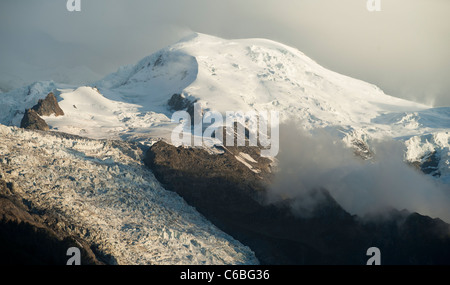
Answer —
231 195
409 238
32 121
428 164
362 150
179 102
45 107
48 106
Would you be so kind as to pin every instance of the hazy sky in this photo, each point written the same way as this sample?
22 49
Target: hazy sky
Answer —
404 49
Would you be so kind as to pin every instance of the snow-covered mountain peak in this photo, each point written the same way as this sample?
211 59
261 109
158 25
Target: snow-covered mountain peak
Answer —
107 182
229 75
252 74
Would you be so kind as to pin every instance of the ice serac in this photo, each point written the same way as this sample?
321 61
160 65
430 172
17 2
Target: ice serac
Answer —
103 185
102 194
31 237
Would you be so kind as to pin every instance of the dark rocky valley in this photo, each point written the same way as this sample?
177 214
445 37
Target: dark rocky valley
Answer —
232 197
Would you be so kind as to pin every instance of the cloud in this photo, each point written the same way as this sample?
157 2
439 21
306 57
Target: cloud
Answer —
361 187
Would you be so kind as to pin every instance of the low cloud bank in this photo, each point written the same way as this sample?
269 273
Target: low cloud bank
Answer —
361 187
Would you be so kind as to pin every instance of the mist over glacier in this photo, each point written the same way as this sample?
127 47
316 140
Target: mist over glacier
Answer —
361 187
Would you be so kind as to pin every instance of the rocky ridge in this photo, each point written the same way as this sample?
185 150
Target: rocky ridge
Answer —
45 107
232 196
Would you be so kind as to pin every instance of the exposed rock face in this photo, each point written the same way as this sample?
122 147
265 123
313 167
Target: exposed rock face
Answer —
410 238
362 150
48 106
29 236
231 195
179 102
241 166
428 164
32 121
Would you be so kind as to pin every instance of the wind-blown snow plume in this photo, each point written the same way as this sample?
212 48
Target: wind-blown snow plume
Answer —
322 161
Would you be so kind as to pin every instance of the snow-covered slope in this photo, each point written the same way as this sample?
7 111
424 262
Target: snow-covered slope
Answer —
102 187
254 74
236 75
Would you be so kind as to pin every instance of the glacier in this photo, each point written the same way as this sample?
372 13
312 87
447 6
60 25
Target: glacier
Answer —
98 180
102 187
235 75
